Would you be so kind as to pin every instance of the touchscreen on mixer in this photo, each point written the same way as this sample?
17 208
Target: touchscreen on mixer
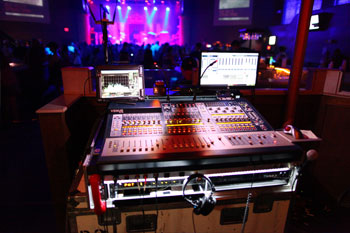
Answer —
120 82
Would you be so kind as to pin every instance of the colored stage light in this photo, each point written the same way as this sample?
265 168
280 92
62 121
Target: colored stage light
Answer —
66 29
145 8
119 7
107 7
155 8
129 7
166 19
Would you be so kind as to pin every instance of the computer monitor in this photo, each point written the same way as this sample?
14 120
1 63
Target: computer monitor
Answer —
120 82
230 69
314 22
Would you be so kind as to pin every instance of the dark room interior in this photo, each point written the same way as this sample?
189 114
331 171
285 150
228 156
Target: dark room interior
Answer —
175 116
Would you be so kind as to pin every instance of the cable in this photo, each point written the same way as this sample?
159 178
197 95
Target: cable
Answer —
246 211
85 84
143 210
193 224
156 179
248 199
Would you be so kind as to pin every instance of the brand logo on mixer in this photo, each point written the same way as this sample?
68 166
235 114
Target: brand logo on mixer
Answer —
117 110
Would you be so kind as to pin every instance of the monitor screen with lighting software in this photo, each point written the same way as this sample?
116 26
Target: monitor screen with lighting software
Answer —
229 69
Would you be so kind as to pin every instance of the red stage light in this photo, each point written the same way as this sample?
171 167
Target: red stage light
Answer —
66 29
268 47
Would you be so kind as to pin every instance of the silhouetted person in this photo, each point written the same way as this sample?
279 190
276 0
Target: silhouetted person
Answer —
9 92
168 60
196 52
336 60
55 66
281 57
148 61
189 70
235 45
38 74
124 55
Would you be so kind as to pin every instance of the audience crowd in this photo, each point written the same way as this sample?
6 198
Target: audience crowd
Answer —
31 70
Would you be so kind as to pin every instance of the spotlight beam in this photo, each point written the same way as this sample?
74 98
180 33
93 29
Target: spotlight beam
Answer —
166 18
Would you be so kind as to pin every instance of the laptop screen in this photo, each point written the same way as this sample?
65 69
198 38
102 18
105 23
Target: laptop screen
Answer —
120 82
229 69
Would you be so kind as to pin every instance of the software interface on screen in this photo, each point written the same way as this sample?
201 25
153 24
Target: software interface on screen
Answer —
121 83
231 69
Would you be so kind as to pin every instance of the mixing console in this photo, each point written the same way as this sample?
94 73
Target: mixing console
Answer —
151 148
190 118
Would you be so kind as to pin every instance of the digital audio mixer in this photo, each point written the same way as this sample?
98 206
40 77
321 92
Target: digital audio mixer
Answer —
151 147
